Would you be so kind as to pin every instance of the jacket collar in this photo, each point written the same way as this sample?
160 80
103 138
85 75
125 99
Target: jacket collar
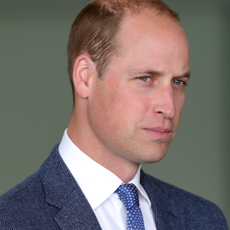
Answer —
166 213
63 192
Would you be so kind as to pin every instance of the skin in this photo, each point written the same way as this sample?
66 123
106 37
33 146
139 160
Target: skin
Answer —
131 116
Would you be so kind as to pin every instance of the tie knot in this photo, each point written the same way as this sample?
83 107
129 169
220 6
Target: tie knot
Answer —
128 194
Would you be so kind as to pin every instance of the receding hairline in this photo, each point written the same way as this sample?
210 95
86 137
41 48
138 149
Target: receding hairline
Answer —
146 12
125 6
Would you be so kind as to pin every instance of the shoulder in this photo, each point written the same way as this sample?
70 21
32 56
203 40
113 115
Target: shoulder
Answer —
195 210
25 205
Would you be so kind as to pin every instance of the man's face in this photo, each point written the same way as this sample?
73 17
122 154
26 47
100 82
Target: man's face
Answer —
134 111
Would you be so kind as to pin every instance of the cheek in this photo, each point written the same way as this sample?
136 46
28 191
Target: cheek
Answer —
119 109
106 113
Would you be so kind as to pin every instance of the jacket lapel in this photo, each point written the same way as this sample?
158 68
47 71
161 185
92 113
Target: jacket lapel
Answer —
77 214
166 214
63 192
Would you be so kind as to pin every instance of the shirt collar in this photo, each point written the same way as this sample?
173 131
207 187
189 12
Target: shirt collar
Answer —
96 182
136 182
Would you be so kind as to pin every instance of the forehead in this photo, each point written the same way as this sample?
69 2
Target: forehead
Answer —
158 38
149 23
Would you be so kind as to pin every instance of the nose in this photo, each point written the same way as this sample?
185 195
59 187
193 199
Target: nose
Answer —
165 103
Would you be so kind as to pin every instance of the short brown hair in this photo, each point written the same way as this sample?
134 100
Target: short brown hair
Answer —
95 29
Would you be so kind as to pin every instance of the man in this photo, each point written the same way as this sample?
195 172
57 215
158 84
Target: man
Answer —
128 66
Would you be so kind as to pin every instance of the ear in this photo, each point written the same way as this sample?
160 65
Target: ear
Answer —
83 70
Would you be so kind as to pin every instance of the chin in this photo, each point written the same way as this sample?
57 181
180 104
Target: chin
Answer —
153 157
152 160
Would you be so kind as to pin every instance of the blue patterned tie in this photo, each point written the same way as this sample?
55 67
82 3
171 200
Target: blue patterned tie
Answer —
129 196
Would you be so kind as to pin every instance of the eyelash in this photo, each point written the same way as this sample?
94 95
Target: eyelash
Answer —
183 82
141 78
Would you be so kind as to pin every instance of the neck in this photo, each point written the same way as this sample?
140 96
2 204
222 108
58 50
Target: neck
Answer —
87 143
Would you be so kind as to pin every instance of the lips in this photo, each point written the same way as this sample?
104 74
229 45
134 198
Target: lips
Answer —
158 133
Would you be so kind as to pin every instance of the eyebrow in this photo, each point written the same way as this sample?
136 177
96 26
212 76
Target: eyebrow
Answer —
157 73
185 75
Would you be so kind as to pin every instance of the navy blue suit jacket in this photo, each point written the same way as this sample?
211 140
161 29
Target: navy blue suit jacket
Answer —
51 199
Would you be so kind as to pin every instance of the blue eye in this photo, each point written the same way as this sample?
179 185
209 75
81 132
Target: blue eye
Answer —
144 78
178 82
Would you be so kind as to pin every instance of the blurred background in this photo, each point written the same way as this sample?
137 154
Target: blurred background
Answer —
36 100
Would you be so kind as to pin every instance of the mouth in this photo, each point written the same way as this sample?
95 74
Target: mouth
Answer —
158 133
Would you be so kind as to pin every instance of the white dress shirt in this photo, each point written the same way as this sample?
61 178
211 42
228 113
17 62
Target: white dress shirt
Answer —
99 184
